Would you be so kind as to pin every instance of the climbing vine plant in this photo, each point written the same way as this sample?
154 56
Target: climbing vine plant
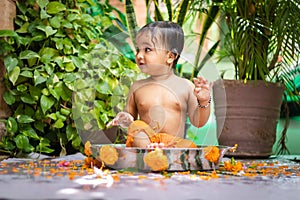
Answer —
57 50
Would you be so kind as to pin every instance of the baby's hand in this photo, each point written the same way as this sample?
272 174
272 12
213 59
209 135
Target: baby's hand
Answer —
122 119
202 89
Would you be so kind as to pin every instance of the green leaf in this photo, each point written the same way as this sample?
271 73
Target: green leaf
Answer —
46 103
71 132
23 28
21 88
31 61
27 74
64 92
72 17
55 22
24 119
27 54
44 149
54 93
10 63
77 61
24 40
55 7
69 67
8 33
103 88
39 126
65 111
52 116
69 78
44 14
47 29
49 68
38 78
29 132
42 3
43 146
14 75
47 54
60 116
58 124
9 98
22 143
76 142
11 125
35 92
28 99
37 38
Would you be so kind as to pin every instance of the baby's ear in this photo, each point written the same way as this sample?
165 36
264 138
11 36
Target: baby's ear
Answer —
171 57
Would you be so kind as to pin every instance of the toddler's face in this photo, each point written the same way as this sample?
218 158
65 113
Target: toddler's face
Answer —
151 57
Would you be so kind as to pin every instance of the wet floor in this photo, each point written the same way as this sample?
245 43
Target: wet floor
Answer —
67 178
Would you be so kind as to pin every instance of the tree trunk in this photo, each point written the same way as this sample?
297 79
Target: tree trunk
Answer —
8 13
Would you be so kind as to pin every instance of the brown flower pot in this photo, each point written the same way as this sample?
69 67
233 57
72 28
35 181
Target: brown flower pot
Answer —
247 115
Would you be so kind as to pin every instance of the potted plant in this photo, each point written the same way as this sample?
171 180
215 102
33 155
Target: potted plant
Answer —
262 40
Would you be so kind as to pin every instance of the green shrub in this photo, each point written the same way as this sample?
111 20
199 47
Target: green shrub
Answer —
56 52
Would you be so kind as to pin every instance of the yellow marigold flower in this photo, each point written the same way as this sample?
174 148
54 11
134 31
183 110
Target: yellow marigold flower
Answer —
108 155
156 160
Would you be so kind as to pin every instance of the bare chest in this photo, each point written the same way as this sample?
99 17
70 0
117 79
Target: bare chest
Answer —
167 97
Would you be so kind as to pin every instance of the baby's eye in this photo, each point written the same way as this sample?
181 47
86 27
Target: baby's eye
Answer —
147 49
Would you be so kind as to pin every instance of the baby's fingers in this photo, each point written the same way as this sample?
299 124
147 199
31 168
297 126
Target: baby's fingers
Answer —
111 123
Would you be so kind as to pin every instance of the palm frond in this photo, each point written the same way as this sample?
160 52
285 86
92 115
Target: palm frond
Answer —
169 6
182 11
158 14
131 20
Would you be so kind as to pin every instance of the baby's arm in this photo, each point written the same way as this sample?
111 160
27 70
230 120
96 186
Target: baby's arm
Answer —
200 108
124 119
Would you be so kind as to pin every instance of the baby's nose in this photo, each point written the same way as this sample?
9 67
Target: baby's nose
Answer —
139 55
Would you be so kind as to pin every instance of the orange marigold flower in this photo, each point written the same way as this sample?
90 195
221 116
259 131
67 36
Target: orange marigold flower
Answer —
233 166
212 154
108 155
156 160
91 162
87 148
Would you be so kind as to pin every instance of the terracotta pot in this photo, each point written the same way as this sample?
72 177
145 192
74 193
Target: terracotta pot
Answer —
247 115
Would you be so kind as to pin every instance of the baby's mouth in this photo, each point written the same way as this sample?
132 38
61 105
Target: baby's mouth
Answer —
141 64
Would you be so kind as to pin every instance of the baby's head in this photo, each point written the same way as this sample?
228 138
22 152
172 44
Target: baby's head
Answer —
165 34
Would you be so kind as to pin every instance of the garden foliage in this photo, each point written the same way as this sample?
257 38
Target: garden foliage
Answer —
56 58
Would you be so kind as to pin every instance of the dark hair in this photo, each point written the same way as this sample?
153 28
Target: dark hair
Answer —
169 33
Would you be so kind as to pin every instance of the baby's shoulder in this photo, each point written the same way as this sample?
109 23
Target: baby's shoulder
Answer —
140 83
183 81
